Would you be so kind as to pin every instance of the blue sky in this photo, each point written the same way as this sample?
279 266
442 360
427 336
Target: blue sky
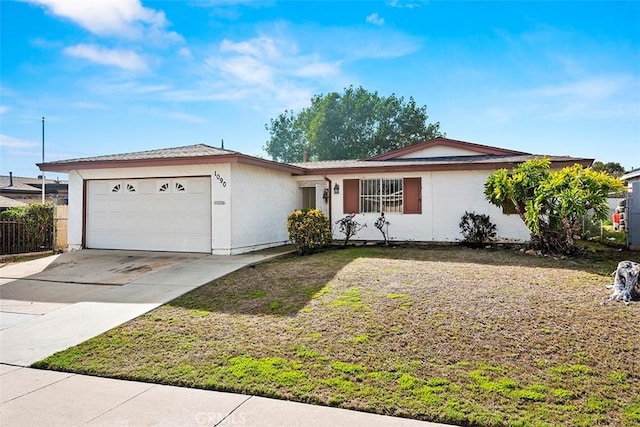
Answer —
547 77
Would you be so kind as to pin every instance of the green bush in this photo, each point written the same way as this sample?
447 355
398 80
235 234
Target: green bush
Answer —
309 230
36 220
477 229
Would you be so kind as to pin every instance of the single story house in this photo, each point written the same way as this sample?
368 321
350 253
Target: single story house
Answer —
199 198
7 203
20 191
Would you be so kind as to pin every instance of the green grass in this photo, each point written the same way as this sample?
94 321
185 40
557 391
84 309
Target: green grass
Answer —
448 334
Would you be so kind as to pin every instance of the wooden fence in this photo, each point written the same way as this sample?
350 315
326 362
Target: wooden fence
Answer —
61 231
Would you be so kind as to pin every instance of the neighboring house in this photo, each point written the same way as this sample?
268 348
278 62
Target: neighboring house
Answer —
29 190
6 203
204 199
630 177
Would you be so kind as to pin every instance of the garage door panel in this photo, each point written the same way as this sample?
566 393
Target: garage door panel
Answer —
199 186
147 187
198 203
194 224
150 214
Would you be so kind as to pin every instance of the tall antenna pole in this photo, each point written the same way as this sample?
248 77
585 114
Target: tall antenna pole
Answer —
43 182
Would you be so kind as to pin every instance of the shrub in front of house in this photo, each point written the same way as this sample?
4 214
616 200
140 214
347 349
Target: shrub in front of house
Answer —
477 229
309 230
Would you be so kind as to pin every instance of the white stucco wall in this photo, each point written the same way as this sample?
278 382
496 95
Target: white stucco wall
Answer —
439 151
453 193
75 214
445 198
261 200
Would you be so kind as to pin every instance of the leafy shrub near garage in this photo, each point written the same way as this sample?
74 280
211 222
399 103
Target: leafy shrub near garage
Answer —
309 230
27 228
477 229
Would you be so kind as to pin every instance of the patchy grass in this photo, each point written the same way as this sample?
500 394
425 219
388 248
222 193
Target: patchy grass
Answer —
449 334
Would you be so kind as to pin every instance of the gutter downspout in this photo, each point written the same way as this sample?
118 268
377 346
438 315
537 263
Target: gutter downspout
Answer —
329 199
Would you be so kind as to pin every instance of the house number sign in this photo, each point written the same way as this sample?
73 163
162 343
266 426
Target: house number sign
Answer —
220 178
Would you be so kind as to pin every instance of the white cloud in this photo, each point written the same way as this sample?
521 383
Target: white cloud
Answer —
318 69
125 59
4 109
262 47
89 106
369 43
123 18
10 142
189 118
265 70
375 19
185 53
245 69
407 4
591 88
283 66
100 87
590 97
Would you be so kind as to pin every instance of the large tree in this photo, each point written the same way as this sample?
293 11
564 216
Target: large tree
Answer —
612 168
353 125
552 203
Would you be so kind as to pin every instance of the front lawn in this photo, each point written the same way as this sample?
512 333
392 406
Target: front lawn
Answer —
448 334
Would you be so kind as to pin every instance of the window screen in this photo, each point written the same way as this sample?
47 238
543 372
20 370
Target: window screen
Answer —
381 195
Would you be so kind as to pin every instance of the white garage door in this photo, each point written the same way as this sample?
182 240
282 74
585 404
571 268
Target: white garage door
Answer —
159 214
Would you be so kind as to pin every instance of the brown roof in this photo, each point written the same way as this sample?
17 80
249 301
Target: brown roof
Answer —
480 162
187 155
6 202
26 185
489 158
446 142
197 150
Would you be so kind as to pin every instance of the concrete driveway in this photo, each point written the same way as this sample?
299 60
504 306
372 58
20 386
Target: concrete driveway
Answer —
53 303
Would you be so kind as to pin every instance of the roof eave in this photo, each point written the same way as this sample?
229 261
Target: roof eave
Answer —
437 167
68 166
484 149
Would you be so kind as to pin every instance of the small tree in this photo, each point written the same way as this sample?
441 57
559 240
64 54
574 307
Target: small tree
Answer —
383 225
552 203
309 230
477 229
349 227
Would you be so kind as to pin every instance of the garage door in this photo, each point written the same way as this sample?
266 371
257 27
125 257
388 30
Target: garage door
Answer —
160 214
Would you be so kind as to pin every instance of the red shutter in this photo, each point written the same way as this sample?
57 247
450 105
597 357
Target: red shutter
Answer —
351 195
412 190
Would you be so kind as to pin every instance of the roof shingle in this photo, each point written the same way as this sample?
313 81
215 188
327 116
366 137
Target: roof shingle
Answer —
196 150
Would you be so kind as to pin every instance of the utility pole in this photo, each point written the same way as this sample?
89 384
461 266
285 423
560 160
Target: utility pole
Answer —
43 182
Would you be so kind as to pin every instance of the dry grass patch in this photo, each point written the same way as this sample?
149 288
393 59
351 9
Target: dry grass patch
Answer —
447 334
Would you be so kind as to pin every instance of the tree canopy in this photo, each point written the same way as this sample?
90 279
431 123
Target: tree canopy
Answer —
353 125
552 203
612 168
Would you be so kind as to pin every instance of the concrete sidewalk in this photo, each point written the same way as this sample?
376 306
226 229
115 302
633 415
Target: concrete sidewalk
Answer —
31 397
